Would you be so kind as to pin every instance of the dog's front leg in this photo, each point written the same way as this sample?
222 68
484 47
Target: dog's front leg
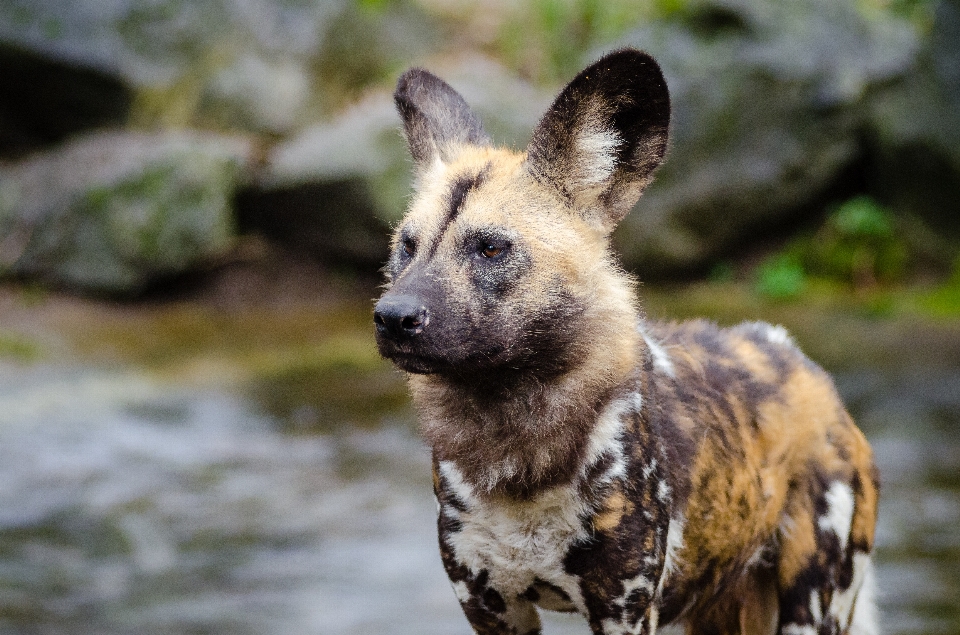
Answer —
631 613
491 614
619 575
488 611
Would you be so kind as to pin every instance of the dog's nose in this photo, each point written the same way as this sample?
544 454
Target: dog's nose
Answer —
400 317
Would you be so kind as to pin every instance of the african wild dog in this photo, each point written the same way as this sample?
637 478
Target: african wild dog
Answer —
585 459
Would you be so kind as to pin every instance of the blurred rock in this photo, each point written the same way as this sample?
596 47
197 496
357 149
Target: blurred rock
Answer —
150 41
768 113
112 212
233 65
43 101
329 191
915 129
776 105
257 65
335 189
332 221
256 94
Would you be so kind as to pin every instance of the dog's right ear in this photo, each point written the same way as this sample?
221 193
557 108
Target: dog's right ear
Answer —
436 119
604 136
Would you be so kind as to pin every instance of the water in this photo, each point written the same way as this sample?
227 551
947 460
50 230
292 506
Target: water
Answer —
912 418
300 503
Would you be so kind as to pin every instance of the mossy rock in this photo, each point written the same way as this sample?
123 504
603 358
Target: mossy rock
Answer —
270 67
769 103
113 212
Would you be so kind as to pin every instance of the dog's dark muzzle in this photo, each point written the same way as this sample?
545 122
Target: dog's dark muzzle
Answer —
400 322
400 318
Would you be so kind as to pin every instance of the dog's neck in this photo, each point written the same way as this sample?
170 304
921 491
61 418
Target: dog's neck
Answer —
516 434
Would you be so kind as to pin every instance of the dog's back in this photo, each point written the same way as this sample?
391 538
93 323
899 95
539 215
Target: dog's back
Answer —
778 484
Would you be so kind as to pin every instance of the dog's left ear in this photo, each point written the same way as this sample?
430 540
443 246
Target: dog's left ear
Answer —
436 120
603 137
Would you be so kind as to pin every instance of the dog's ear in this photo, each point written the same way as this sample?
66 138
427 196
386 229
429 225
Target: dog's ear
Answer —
436 119
603 137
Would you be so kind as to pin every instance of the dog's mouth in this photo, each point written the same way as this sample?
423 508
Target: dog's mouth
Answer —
421 360
408 358
413 363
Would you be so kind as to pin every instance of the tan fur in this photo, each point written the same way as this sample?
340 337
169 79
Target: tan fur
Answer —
612 512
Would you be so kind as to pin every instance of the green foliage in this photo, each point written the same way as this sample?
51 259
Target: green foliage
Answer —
858 244
721 272
862 217
18 348
372 5
944 301
861 246
780 277
546 39
919 12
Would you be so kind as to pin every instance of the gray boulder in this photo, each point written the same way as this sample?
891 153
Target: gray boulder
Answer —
768 112
234 64
112 212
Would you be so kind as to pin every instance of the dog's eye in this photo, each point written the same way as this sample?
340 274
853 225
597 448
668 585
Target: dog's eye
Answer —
408 246
489 250
488 247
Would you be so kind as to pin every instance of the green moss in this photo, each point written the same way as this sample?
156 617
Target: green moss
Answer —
944 300
858 244
160 220
546 38
249 342
166 215
780 277
18 348
328 394
311 369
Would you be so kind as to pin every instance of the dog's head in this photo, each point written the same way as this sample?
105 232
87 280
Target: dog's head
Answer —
502 263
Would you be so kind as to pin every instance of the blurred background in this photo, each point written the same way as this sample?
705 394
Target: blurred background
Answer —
196 432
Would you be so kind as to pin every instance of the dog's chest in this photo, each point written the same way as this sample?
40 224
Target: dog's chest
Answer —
520 544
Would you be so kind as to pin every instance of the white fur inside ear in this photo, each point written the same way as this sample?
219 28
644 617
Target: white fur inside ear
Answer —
596 156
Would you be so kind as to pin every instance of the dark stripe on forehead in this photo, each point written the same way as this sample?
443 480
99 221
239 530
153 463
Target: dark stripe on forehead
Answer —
462 186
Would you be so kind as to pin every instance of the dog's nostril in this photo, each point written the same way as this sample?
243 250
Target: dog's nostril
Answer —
400 318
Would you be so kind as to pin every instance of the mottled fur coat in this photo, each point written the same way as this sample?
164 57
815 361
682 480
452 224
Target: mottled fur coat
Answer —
585 459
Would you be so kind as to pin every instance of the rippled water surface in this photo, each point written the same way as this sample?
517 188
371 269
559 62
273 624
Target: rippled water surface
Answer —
300 504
